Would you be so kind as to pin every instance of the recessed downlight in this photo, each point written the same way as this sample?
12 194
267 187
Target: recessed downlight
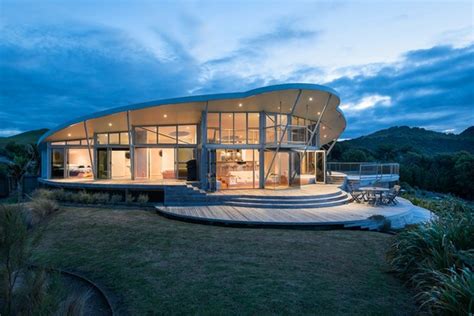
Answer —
310 98
110 124
319 113
69 135
165 115
240 105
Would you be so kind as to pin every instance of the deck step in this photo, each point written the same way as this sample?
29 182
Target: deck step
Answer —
341 201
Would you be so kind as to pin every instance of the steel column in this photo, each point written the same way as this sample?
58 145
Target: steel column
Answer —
89 149
283 134
131 146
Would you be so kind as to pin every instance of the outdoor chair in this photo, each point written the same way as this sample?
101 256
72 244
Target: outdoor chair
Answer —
390 196
357 195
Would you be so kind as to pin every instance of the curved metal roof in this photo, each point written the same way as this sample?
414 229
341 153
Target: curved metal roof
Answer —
193 99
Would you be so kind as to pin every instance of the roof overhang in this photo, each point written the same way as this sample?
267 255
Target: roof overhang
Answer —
187 110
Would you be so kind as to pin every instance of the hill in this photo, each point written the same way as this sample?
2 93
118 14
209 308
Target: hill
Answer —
29 137
421 140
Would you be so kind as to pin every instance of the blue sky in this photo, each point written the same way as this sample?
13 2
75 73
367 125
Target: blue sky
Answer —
393 63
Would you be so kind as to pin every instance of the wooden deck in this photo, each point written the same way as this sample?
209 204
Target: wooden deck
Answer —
351 215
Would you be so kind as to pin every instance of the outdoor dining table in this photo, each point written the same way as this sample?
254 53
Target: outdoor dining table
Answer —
377 192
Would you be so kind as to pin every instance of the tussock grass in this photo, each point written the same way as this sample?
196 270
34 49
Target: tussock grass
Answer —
437 259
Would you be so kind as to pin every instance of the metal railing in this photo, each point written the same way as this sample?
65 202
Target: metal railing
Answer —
365 170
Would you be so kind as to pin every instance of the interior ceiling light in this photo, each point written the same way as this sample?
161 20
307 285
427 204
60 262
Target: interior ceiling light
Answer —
325 136
324 127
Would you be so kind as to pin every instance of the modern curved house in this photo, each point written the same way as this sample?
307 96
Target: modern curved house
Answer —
270 137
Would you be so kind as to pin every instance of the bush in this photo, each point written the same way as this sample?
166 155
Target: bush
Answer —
83 197
116 198
44 194
142 199
101 198
42 208
454 295
129 198
422 253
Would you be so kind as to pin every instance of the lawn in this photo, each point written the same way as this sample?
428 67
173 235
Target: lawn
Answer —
155 265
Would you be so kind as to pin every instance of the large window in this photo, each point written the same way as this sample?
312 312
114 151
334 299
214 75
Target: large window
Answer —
57 163
169 134
237 168
213 128
112 138
233 128
79 163
155 163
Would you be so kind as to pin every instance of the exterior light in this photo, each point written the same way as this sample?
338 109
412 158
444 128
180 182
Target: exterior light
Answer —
69 135
310 98
110 124
240 105
325 136
165 115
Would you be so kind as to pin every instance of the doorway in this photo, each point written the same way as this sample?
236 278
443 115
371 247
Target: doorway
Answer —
113 163
278 173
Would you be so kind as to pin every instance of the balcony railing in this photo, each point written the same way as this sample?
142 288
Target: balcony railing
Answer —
365 171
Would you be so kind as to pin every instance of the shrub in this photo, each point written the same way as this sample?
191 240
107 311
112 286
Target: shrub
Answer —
422 253
116 198
83 197
44 194
42 208
454 294
129 198
142 199
101 198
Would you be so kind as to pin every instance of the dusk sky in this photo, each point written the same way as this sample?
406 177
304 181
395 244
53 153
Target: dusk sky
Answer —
393 63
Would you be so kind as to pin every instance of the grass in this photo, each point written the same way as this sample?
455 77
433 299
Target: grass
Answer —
151 264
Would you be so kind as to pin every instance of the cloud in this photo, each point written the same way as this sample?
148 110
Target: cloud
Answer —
431 88
367 103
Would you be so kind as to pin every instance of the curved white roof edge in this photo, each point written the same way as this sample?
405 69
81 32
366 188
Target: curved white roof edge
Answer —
196 98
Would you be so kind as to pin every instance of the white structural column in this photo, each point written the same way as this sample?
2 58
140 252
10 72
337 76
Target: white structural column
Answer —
316 127
89 149
283 135
131 146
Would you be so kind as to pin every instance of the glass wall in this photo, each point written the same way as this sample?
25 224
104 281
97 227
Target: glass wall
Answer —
120 164
237 168
233 128
168 134
119 138
155 163
57 163
279 175
79 163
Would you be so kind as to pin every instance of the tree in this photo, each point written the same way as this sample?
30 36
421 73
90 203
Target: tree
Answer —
23 162
354 155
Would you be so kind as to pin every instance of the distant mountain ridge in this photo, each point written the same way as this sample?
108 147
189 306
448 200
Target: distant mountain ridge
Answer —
29 137
422 140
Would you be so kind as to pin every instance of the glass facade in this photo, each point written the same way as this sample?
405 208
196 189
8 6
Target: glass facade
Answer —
238 128
237 168
239 149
